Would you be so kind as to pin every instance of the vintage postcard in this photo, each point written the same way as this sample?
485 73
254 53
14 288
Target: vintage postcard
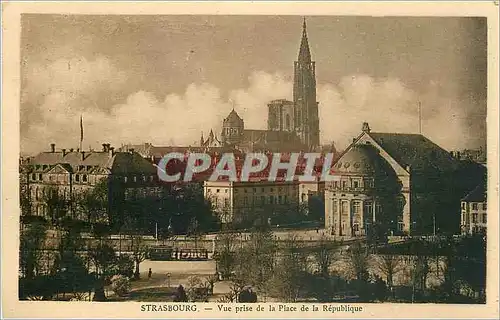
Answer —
254 160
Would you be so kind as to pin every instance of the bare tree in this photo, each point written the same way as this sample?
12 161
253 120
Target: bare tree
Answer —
358 261
325 253
225 252
388 265
290 270
32 240
139 253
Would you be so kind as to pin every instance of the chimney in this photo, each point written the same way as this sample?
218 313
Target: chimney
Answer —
111 151
83 155
71 150
131 150
63 152
104 147
366 127
458 155
53 147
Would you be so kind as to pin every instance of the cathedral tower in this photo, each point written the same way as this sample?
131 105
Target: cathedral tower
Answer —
304 95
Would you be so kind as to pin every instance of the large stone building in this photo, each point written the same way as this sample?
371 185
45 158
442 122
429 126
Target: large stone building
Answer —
404 182
71 173
291 125
474 211
249 202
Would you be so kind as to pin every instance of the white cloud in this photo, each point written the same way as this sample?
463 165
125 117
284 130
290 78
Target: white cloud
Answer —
387 104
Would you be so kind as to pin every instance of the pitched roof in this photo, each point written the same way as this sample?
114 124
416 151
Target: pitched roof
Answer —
119 162
415 150
476 195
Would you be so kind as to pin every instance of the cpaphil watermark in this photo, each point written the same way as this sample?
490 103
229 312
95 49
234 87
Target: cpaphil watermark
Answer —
304 167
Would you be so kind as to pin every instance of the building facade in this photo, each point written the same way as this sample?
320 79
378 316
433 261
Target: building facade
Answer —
474 211
251 201
419 185
70 174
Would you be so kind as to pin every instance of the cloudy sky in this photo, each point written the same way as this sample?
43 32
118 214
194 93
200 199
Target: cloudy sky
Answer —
166 79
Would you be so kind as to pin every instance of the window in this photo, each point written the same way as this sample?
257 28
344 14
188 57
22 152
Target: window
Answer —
226 202
280 199
77 178
355 227
271 199
254 189
355 207
463 205
144 178
272 189
262 190
344 184
280 188
33 176
218 190
245 201
262 199
400 226
356 184
344 207
484 217
334 206
125 179
474 218
39 176
303 197
135 179
51 177
286 198
368 209
484 206
474 206
225 190
84 178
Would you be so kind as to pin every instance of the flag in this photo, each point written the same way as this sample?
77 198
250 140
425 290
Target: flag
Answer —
81 128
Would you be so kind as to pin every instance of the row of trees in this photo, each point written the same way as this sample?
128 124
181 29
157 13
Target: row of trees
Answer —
287 271
119 209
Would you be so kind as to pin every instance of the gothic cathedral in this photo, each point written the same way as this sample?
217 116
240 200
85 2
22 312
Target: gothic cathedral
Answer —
291 125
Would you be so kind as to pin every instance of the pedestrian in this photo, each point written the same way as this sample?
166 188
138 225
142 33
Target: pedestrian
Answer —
149 273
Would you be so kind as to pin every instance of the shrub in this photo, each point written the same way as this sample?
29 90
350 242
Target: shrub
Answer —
120 285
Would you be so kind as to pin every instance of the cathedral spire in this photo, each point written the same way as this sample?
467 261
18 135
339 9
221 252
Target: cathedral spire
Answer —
304 52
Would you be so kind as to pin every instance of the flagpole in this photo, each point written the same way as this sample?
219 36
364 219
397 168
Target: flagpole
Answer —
81 132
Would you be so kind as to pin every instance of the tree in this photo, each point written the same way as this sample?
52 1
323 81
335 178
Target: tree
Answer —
419 273
139 253
290 270
180 294
255 261
358 259
194 231
225 253
32 239
388 265
94 203
325 253
57 205
103 258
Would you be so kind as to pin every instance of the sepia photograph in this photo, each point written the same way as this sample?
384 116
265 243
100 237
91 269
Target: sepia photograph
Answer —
239 160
